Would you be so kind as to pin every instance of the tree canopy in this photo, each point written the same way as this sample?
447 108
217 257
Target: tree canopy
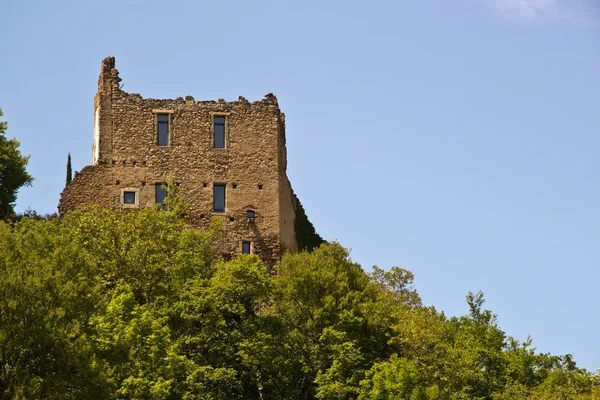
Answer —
135 305
13 174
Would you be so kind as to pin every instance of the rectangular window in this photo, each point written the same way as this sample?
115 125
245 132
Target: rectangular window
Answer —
219 129
163 129
219 198
246 247
128 197
160 194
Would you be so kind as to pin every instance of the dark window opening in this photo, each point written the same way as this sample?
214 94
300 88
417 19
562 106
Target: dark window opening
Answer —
128 197
246 247
260 187
250 214
219 198
219 129
160 194
163 129
231 219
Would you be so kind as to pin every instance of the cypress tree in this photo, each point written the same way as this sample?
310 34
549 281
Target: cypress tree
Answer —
69 171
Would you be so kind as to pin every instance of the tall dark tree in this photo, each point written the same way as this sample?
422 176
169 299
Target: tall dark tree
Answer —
12 171
69 170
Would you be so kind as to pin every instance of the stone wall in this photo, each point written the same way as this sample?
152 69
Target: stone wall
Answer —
252 166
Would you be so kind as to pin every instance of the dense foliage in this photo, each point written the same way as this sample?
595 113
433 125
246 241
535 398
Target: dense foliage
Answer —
134 305
306 235
12 171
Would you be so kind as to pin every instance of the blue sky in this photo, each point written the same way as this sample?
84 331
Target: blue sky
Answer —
455 138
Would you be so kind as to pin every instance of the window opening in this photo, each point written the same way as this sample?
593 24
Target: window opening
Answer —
246 247
219 198
160 194
163 129
128 197
219 130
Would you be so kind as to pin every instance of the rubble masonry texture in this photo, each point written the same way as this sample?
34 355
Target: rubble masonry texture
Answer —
252 165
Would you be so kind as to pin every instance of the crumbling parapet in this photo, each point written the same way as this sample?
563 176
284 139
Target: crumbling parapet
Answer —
250 167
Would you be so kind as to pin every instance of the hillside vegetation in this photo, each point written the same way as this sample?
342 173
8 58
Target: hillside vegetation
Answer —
134 305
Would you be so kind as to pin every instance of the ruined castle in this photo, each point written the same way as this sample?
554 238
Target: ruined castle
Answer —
227 158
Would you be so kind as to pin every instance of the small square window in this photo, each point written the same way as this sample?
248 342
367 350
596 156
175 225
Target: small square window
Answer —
219 132
246 247
250 214
162 129
219 198
160 194
128 197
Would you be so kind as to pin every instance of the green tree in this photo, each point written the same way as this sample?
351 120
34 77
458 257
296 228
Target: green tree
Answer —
12 171
326 302
137 347
397 378
47 293
69 171
223 329
133 304
174 202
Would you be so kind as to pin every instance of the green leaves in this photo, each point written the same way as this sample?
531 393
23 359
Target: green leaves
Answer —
12 171
397 378
136 345
46 299
134 305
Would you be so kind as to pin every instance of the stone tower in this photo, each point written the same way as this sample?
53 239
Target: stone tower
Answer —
228 159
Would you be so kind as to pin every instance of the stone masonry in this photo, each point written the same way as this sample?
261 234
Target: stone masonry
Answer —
251 165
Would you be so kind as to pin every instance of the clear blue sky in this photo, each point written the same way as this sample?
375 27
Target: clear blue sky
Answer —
456 138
